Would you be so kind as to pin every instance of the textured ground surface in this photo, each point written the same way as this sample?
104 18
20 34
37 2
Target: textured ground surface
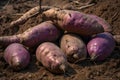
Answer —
86 70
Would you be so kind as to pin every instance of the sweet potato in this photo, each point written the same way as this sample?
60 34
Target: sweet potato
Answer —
45 31
17 56
36 10
52 57
107 27
73 21
30 13
6 40
101 46
74 48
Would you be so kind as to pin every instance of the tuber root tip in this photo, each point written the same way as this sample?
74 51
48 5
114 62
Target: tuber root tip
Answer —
63 67
16 64
93 57
75 56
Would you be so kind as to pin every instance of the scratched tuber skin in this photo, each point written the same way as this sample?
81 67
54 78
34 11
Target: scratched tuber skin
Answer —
73 47
52 57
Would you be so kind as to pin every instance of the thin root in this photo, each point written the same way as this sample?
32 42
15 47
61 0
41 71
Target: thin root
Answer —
91 1
79 60
18 14
83 7
6 4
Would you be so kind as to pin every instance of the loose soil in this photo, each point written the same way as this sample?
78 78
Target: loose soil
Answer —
84 70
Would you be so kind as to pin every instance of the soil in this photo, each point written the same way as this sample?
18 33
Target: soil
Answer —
84 70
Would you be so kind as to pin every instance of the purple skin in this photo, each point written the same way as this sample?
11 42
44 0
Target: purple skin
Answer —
45 31
74 21
17 56
106 26
6 40
101 46
51 57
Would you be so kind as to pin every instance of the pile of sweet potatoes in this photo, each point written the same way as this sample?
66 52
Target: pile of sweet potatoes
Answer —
77 34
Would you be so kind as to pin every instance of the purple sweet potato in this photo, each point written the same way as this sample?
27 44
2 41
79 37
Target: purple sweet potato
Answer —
107 27
6 40
52 57
74 48
101 46
17 56
74 21
45 31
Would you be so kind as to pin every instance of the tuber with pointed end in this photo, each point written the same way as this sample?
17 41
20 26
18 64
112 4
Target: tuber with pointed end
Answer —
107 27
30 13
6 40
73 21
101 46
52 57
74 48
45 31
17 56
69 20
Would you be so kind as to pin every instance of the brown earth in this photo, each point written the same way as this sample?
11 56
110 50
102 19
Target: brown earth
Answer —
85 70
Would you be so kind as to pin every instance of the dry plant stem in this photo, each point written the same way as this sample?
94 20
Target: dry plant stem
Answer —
91 1
40 2
80 60
115 16
87 3
86 6
18 14
41 76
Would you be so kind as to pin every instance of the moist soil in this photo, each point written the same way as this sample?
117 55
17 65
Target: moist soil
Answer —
109 69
